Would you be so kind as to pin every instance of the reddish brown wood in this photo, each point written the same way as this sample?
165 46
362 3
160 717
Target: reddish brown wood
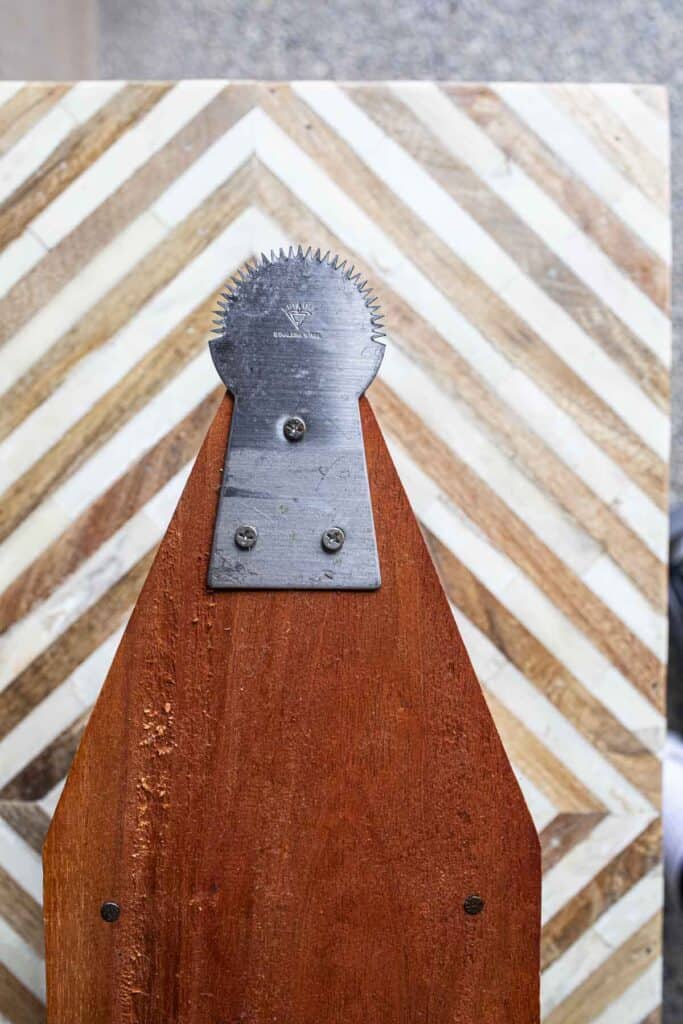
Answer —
291 794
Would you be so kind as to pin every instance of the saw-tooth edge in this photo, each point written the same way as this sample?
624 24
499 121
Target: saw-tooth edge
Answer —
253 266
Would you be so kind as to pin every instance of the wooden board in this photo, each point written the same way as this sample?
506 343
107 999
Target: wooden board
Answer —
291 795
518 237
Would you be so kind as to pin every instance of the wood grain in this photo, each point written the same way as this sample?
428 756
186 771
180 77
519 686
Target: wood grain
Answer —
483 306
522 445
624 966
603 891
291 795
521 278
81 147
599 223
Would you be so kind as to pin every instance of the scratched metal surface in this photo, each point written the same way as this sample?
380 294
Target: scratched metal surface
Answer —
297 339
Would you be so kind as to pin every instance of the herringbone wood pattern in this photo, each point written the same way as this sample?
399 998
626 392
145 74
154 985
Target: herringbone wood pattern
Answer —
518 237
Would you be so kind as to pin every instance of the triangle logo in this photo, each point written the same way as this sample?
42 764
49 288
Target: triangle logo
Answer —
296 315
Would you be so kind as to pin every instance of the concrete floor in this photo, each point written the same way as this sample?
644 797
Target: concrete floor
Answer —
561 40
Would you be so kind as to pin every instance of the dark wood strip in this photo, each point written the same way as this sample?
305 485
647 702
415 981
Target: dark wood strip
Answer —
17 1004
108 513
563 833
578 705
125 300
483 308
653 1018
25 109
50 766
67 652
21 911
28 820
602 892
134 196
75 154
589 213
509 534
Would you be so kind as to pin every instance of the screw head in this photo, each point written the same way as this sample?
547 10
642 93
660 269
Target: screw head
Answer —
333 538
473 905
246 537
110 911
294 428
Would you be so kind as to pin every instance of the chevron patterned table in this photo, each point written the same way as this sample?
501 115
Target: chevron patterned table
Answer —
518 237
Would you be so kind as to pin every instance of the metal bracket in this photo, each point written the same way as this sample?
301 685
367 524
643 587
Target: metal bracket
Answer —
297 347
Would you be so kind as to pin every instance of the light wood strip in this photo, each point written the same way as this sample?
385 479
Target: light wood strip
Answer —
507 531
650 130
656 97
122 302
563 833
107 514
462 381
573 546
540 764
23 110
602 892
626 251
528 451
482 307
553 730
64 655
621 969
63 262
481 253
612 136
528 248
592 949
17 1004
78 150
536 106
619 746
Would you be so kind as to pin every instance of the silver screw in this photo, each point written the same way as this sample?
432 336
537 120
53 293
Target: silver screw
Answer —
246 537
333 538
294 428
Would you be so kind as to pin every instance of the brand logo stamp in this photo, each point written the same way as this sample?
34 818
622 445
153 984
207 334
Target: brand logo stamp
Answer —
297 313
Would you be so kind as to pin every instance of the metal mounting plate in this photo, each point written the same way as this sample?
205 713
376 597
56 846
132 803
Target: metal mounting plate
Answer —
297 340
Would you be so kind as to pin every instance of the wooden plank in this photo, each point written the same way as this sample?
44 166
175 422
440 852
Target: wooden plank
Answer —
291 794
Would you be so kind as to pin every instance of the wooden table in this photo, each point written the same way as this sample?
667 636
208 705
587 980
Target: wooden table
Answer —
518 236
